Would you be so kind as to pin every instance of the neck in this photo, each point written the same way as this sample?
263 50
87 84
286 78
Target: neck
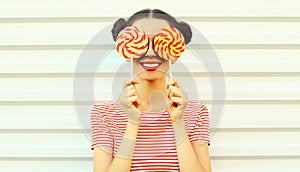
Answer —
152 94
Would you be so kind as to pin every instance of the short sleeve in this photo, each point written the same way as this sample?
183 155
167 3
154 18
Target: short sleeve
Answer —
100 132
200 132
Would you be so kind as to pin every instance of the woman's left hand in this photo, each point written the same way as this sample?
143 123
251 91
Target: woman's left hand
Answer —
177 100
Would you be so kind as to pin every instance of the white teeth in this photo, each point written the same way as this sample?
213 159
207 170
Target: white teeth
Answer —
150 65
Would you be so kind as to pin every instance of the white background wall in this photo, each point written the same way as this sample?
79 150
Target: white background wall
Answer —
258 45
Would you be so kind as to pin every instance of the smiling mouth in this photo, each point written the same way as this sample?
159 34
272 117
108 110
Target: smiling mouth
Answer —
150 66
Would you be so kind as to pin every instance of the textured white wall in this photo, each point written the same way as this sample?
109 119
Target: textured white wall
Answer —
258 45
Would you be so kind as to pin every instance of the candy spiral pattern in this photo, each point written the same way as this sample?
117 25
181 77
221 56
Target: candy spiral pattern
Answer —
169 43
132 42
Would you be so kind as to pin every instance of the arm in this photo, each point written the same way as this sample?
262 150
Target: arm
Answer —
191 156
103 161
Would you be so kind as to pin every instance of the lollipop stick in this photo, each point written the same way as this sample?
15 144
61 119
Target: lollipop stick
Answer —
131 67
170 69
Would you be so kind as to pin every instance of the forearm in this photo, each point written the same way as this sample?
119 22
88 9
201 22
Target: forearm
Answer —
123 158
187 157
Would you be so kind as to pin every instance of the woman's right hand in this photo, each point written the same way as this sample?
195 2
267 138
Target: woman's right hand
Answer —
131 102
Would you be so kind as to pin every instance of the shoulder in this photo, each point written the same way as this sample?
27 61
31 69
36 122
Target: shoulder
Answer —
103 106
108 109
197 111
101 110
197 106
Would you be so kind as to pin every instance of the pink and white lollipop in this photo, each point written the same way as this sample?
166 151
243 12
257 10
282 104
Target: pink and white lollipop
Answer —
132 42
169 44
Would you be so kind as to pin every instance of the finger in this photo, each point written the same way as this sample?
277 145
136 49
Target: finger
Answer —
130 87
126 84
133 88
126 93
131 92
168 92
131 82
172 82
169 81
134 100
175 91
138 103
134 81
175 101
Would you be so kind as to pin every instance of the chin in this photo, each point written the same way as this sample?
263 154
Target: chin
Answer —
152 76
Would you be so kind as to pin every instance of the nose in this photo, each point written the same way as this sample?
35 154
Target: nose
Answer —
150 51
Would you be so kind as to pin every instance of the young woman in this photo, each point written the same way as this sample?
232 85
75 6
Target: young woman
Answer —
153 126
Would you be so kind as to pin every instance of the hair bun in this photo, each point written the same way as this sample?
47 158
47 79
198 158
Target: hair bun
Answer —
118 26
186 31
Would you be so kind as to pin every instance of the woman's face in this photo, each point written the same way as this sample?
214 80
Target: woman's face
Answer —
150 67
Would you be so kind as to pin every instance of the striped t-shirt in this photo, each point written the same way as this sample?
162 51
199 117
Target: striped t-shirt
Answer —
155 148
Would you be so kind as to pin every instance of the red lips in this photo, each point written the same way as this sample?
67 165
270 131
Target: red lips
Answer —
150 65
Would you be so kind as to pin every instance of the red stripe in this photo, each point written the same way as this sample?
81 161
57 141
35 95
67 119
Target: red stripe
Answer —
155 145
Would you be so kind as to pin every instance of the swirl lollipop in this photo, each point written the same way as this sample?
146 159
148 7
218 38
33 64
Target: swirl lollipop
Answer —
132 42
169 44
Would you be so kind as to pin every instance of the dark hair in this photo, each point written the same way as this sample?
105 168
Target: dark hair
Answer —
183 27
